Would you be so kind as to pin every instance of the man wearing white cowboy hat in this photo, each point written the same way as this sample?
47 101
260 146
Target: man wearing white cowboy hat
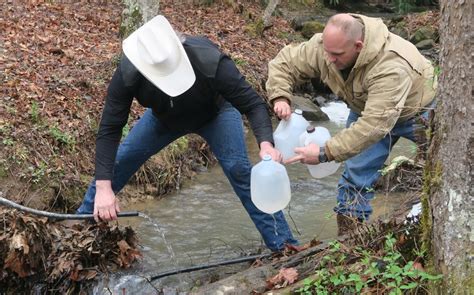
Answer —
188 87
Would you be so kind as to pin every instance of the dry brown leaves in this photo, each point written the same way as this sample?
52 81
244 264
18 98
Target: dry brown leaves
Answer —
285 277
417 20
33 249
56 62
229 28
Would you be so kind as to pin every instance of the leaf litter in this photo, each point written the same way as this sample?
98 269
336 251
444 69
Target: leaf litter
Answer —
34 250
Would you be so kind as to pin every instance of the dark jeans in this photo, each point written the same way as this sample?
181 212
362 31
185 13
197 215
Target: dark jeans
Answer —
355 189
225 137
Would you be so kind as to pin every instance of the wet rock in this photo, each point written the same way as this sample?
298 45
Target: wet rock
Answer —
400 30
297 22
319 100
131 284
310 28
432 53
424 33
425 44
310 111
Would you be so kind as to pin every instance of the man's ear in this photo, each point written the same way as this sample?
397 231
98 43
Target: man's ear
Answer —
359 44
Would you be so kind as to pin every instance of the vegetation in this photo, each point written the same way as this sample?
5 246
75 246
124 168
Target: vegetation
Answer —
369 272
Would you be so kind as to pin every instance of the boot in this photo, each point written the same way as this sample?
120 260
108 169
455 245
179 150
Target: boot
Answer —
346 225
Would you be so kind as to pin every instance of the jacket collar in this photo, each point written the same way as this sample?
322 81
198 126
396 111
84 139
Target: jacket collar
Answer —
375 36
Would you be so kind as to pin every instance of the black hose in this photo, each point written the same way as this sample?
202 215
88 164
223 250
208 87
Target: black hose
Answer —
59 216
206 266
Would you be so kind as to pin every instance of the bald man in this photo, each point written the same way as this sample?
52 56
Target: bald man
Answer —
385 81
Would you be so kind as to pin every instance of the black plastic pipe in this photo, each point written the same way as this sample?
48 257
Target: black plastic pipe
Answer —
206 266
58 216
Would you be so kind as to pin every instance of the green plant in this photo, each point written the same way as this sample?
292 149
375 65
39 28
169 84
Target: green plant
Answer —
206 2
92 123
370 273
178 146
34 112
37 173
8 141
239 61
125 131
404 6
4 167
5 128
370 189
11 110
62 137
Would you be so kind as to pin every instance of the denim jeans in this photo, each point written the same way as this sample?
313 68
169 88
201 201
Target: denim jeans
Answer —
225 136
355 188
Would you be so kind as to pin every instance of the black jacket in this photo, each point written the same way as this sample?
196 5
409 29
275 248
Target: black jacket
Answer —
217 79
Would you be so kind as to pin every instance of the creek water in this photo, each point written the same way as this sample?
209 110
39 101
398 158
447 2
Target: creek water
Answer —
205 222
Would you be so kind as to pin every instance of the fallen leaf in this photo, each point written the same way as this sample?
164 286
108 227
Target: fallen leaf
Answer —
285 277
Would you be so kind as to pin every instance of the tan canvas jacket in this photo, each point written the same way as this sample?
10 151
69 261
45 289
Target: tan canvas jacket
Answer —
390 82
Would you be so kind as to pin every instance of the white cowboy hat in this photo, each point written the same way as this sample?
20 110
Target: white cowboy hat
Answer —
156 51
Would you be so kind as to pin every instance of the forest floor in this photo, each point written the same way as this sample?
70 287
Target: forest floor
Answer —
57 59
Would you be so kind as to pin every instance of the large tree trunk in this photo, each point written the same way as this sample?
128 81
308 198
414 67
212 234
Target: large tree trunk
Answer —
449 175
136 13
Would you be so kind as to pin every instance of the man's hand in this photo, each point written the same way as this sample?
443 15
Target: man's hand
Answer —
306 155
266 148
281 107
106 205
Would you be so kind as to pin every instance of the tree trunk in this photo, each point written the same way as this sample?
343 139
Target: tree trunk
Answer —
267 15
448 181
136 13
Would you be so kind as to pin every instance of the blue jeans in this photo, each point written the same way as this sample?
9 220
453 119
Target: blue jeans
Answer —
355 188
225 136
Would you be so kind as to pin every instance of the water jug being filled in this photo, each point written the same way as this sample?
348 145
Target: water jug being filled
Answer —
269 186
318 135
287 134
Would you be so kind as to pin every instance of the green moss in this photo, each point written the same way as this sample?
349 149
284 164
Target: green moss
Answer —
432 180
3 169
255 29
131 20
310 28
302 4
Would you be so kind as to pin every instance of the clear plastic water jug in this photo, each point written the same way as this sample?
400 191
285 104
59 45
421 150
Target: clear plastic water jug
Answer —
318 135
270 186
287 134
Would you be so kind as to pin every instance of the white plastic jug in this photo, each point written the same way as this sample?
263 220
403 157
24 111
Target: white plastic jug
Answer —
287 134
318 135
270 186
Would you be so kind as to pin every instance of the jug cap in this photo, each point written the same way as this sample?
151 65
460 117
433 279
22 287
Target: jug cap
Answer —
298 112
267 157
310 129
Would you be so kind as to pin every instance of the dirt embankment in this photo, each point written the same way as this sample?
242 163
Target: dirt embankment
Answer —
58 61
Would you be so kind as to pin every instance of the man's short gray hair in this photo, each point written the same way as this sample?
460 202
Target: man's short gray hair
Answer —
352 27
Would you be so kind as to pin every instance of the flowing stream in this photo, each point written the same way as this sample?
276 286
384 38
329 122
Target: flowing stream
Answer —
204 221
